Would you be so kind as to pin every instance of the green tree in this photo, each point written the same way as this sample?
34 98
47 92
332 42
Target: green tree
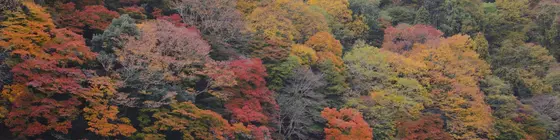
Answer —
461 16
553 39
524 66
382 88
506 20
278 73
422 16
480 45
345 26
398 14
553 79
369 9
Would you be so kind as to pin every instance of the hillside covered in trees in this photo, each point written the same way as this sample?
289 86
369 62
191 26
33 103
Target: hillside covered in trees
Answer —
280 69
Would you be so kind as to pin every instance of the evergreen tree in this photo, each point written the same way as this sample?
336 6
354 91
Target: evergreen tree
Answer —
422 16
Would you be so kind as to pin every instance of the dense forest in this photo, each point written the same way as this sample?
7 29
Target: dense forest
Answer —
280 69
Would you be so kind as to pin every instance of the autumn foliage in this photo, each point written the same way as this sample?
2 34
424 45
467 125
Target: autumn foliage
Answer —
48 70
95 17
25 34
252 101
193 123
102 117
427 127
346 124
280 69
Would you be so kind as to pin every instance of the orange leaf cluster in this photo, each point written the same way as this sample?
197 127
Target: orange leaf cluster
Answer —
25 34
346 124
193 123
427 127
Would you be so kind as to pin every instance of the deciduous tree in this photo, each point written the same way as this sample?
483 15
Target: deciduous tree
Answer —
300 104
454 70
346 124
427 127
523 66
252 101
163 60
218 20
192 123
95 17
101 115
402 38
286 22
24 34
345 25
327 48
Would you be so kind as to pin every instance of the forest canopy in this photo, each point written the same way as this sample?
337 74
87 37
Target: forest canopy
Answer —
280 69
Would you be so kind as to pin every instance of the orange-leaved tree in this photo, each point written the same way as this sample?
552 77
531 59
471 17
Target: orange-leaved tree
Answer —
454 70
193 123
346 124
24 34
100 114
48 78
427 127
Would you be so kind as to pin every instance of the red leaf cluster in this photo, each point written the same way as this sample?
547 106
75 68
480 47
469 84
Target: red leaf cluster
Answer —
173 18
32 116
54 74
252 100
93 16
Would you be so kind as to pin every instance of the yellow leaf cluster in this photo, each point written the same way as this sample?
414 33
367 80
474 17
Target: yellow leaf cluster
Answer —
284 22
327 48
12 92
305 55
325 42
100 118
339 9
25 34
193 122
454 71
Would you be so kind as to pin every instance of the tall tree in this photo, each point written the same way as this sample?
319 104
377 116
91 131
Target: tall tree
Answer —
384 88
422 16
251 101
300 105
103 117
218 20
327 48
454 70
481 46
370 10
152 67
